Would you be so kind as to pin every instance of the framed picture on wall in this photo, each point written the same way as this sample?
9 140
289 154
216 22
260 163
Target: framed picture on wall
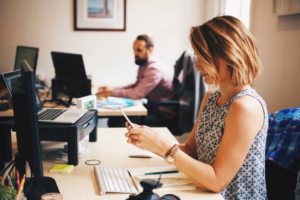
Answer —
100 15
286 7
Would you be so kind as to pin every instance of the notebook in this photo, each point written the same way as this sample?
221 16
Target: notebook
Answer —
122 180
48 115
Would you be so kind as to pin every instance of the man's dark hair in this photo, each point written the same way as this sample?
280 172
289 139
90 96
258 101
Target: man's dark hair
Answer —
147 39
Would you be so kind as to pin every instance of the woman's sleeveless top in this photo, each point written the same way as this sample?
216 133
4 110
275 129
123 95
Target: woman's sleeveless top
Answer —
249 182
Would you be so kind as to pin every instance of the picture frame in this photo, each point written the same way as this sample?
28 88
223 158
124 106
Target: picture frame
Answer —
100 15
286 7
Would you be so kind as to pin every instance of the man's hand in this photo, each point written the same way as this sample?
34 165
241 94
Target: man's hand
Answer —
104 91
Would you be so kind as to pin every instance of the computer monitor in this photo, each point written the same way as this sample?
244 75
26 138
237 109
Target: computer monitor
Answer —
70 77
30 54
28 141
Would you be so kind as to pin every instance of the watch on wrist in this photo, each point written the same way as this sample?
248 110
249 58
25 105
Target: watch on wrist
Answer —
170 155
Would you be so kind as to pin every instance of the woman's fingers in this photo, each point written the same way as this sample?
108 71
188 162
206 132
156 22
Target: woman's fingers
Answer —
129 126
134 136
134 142
137 129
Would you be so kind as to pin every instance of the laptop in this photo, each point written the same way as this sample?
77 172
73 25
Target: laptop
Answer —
48 115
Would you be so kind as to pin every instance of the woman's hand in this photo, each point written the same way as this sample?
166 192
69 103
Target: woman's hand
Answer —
145 138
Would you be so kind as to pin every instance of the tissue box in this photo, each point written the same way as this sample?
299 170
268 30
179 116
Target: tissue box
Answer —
87 102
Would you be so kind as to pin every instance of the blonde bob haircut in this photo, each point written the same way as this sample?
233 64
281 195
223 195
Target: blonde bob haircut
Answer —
226 38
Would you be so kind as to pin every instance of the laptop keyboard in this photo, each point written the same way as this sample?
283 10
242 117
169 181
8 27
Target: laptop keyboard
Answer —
50 113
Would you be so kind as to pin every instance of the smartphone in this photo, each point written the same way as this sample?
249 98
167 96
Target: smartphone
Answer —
126 117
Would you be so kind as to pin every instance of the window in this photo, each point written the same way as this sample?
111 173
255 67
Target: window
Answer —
237 8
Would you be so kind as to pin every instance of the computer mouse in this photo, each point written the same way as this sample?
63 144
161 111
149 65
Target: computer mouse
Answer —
141 154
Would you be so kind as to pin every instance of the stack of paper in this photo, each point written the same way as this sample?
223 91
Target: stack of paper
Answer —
171 179
115 103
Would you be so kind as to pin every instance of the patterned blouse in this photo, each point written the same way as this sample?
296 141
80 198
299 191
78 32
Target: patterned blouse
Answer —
249 182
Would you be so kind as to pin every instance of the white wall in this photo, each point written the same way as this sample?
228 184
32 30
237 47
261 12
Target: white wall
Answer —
108 56
279 49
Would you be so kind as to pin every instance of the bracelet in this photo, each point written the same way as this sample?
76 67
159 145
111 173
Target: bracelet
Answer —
170 155
93 162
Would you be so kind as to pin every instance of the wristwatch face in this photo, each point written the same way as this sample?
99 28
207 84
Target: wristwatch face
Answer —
170 159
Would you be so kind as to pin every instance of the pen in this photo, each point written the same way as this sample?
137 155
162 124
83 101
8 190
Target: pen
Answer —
13 177
9 181
2 181
17 181
21 186
166 172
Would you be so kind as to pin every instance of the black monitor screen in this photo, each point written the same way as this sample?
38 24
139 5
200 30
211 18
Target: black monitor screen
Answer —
26 125
8 76
70 75
30 54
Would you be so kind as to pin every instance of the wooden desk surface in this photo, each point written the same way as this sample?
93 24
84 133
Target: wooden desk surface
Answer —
112 150
137 110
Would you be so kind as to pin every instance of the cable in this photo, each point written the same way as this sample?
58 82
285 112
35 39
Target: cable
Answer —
12 168
7 167
31 181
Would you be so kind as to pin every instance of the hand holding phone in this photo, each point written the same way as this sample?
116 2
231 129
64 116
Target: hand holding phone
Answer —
126 117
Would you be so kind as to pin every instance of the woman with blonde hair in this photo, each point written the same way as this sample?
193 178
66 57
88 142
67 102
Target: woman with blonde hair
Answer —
225 151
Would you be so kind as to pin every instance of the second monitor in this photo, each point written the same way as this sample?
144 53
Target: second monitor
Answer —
30 54
70 77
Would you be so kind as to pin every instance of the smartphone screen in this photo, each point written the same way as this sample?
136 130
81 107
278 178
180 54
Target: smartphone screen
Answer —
126 117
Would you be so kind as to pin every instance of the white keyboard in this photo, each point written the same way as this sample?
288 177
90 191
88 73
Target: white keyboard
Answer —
114 179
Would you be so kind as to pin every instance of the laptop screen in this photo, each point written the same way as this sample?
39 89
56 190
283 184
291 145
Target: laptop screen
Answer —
14 74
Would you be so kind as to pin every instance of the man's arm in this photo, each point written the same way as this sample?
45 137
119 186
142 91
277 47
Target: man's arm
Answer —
127 86
151 78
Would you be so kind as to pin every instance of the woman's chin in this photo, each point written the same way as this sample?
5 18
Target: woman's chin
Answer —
207 80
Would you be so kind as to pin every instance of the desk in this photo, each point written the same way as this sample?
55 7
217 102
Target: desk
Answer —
72 134
137 110
112 149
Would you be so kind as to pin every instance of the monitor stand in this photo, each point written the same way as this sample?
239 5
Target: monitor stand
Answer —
49 186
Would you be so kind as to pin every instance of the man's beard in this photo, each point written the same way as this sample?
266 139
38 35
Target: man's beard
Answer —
141 62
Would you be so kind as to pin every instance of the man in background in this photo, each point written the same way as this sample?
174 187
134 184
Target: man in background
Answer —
153 83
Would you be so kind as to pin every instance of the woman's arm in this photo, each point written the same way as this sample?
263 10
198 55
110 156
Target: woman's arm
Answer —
244 121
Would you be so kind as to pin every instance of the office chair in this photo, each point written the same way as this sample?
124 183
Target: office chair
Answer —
283 154
297 190
189 88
